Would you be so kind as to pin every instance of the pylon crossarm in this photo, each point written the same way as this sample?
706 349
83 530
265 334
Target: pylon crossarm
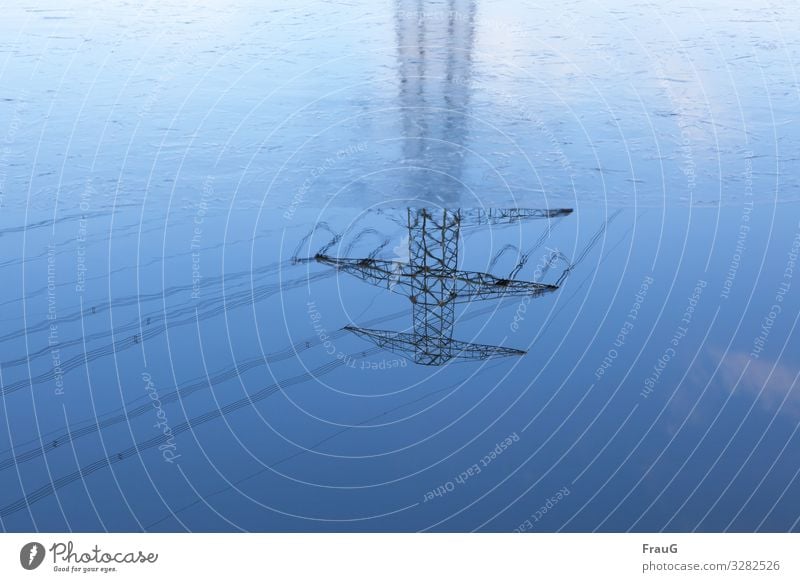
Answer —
469 351
474 285
378 272
427 351
500 216
465 285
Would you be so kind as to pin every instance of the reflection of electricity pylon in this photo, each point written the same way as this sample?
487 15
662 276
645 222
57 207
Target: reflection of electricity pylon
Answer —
434 284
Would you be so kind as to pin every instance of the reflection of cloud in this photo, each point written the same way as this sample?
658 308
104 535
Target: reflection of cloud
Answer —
771 382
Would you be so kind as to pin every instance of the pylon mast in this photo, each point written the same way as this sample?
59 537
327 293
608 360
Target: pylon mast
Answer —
434 284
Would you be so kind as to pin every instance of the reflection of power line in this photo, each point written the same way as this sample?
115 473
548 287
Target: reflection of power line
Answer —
137 449
51 222
127 413
189 425
48 442
229 280
434 284
192 423
587 248
301 451
189 314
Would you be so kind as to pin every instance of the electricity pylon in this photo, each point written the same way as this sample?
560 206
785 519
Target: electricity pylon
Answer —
434 284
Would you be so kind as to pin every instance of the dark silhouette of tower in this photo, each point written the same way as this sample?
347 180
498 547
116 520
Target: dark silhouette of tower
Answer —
434 284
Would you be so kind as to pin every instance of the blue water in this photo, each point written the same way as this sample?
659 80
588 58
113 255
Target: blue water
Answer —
172 351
